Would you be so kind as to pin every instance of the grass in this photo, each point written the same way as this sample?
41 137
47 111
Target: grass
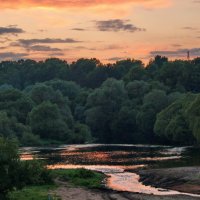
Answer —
81 177
34 193
76 177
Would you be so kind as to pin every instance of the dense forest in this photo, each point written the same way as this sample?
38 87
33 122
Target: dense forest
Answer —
86 101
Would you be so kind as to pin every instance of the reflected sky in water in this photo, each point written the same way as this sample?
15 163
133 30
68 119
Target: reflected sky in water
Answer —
116 160
127 155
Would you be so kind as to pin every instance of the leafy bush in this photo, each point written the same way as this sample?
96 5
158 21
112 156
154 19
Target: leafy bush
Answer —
16 174
34 173
81 177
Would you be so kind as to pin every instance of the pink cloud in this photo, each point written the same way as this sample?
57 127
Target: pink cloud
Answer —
13 4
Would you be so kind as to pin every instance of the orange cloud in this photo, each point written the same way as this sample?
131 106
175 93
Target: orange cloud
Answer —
74 3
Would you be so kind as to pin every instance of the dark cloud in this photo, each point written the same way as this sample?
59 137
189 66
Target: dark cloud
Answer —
42 30
2 48
13 30
196 1
78 29
83 47
116 58
189 28
177 53
56 54
12 56
80 47
42 48
117 25
29 42
112 47
176 45
107 47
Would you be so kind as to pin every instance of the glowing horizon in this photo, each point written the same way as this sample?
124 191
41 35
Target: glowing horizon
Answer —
109 30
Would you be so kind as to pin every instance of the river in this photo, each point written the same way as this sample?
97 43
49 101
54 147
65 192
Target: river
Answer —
117 161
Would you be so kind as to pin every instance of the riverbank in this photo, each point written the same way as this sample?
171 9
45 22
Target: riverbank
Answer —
115 160
68 192
65 191
182 179
81 184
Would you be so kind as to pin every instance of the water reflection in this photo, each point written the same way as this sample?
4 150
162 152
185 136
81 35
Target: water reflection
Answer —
26 156
115 160
130 182
115 155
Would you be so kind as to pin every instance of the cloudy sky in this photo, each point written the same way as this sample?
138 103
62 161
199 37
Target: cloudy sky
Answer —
106 29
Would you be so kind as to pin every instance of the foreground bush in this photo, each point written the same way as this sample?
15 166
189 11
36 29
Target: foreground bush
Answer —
16 174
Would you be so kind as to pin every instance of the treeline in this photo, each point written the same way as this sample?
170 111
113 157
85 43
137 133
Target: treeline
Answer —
87 101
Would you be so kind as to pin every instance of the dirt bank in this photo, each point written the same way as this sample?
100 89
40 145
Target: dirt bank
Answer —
68 192
183 179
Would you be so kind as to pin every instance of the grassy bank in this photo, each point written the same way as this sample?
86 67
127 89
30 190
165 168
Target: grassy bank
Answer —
81 177
76 177
34 193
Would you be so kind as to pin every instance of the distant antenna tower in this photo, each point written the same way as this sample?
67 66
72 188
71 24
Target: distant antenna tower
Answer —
188 55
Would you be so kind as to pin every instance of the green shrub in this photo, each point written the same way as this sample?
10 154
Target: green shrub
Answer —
35 173
33 193
15 174
81 177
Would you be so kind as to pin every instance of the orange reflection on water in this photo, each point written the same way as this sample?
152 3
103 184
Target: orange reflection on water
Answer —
26 157
88 155
118 179
130 182
101 168
160 158
103 156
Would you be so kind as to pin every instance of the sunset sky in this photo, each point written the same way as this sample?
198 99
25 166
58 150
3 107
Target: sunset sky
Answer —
106 29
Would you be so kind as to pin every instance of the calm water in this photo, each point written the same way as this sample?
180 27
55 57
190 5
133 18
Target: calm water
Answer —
115 160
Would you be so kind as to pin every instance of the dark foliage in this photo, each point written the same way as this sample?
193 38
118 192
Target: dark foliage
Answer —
16 174
88 101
